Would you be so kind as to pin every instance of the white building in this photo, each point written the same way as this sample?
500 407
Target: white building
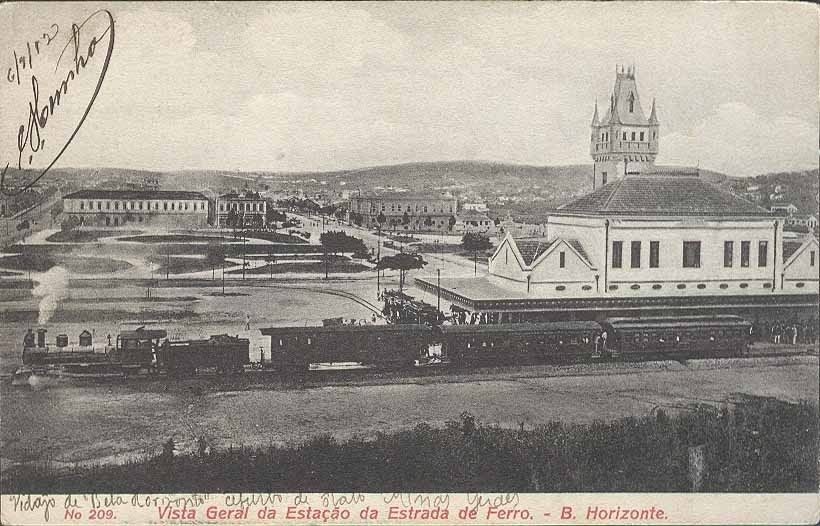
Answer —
472 221
656 235
174 209
241 209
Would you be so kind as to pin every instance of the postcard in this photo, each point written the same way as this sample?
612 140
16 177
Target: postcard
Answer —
409 263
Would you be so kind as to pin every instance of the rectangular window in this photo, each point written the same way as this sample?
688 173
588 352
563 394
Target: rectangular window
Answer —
744 253
562 259
641 135
617 248
633 136
635 254
108 205
82 205
762 253
624 136
728 253
691 254
811 264
603 178
654 254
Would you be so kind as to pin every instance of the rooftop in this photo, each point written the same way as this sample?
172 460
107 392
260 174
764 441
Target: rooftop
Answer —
667 194
135 194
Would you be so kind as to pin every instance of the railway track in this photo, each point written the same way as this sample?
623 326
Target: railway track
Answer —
333 292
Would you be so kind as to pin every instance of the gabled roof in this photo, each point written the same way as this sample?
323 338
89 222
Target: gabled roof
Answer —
795 251
531 249
663 195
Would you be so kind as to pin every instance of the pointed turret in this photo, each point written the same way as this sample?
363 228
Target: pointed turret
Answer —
614 117
653 117
595 121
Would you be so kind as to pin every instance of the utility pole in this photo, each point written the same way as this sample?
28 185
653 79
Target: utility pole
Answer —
438 291
378 259
475 262
243 254
167 262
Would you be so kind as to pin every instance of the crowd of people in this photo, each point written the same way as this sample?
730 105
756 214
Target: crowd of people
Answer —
792 332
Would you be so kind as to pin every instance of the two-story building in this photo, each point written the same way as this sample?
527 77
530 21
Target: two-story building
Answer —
241 210
172 209
406 211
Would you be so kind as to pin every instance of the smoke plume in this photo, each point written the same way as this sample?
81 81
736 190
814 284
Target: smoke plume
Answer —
52 286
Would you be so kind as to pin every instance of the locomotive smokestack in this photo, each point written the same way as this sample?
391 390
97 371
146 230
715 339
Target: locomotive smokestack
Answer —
41 337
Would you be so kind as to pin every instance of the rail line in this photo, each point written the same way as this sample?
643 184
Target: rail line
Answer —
334 292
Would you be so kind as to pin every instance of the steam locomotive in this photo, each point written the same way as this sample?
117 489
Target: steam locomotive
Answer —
134 352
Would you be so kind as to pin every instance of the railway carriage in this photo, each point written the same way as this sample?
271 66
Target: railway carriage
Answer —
682 335
519 342
295 348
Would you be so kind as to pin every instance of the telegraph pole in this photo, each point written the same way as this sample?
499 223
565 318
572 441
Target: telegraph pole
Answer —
243 254
438 291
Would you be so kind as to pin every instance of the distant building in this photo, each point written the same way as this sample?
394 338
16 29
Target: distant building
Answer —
625 140
476 207
472 221
174 209
785 208
410 211
246 209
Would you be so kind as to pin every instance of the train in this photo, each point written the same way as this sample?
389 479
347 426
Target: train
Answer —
412 345
134 352
392 346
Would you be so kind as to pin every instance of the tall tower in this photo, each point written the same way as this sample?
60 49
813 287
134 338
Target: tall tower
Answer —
624 141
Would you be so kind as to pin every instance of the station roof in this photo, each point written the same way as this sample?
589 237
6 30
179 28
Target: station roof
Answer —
663 195
135 194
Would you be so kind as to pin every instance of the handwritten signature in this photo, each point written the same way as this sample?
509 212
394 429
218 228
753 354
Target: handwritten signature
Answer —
30 136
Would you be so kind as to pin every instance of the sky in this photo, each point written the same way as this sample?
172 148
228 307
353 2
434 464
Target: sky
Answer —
315 86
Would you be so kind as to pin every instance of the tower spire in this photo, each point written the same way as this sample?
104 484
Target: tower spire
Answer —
653 117
595 120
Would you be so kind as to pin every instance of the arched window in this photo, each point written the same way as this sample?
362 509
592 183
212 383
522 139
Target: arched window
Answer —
631 102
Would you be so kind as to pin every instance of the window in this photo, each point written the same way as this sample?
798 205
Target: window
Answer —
617 248
165 206
632 104
654 254
562 259
641 135
744 253
624 136
82 205
116 205
506 255
633 136
728 252
691 254
811 263
762 253
108 205
603 178
635 254
99 205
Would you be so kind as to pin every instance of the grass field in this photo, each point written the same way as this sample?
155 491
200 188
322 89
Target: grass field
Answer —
760 445
86 236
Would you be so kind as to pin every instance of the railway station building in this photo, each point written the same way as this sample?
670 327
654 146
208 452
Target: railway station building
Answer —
113 208
247 208
658 241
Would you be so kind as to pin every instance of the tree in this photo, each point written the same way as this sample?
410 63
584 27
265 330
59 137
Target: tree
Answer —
428 222
405 218
380 219
451 222
475 241
403 262
336 242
